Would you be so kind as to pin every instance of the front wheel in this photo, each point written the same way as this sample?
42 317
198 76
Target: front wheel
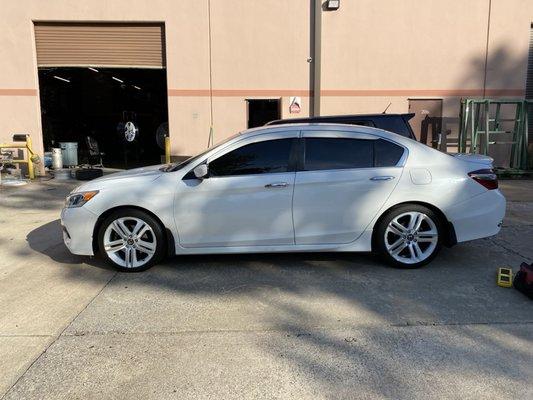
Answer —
409 236
131 240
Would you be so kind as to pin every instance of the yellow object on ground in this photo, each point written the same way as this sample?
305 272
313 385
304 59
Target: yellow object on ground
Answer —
29 157
505 277
167 150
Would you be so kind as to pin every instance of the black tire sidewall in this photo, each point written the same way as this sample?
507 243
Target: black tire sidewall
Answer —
154 224
379 238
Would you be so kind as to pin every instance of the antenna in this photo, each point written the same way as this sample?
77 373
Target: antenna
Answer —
385 110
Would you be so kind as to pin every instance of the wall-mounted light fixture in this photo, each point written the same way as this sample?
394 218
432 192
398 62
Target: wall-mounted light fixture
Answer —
333 4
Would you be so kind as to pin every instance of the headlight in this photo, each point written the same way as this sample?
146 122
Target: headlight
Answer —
79 199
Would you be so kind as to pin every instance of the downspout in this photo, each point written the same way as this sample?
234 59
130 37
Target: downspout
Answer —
317 55
211 138
487 51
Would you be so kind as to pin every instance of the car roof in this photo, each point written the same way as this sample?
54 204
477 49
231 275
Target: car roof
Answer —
324 126
344 117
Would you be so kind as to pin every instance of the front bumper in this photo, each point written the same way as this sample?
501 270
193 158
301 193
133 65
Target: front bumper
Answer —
479 217
78 225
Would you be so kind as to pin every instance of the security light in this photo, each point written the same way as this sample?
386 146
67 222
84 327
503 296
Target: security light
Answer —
333 4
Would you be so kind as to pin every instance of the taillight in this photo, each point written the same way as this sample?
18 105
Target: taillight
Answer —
485 177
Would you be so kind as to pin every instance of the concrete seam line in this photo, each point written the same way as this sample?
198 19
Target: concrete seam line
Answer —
58 336
8 335
295 331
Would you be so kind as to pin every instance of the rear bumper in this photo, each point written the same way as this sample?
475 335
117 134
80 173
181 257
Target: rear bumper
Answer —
479 217
78 225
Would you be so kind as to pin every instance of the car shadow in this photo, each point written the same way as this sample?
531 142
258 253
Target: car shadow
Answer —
47 239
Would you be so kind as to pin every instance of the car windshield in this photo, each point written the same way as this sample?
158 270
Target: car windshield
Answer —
180 165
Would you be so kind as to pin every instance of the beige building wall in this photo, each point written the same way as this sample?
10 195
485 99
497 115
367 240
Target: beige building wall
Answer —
377 52
373 52
259 49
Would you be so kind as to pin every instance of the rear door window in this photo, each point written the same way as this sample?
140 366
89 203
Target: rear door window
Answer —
337 153
386 154
345 153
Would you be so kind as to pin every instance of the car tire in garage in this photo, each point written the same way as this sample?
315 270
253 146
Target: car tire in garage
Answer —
131 240
409 236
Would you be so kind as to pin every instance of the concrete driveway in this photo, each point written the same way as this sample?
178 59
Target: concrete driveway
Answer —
302 326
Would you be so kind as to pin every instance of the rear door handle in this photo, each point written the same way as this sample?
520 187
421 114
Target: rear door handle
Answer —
277 185
382 178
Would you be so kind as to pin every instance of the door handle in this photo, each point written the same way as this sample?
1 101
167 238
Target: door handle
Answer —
277 185
382 178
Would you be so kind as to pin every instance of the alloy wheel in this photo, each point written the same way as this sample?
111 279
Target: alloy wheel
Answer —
411 237
129 242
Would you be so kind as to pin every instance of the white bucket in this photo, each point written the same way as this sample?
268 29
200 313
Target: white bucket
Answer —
57 159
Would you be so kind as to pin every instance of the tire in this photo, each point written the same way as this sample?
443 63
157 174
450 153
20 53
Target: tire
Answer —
410 247
131 240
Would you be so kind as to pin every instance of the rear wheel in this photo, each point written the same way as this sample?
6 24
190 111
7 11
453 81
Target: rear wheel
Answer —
409 236
131 240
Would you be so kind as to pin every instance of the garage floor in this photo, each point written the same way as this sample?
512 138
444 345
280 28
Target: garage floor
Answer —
306 326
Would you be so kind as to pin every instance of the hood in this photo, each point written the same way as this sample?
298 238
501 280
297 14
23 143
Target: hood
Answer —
152 170
474 158
145 174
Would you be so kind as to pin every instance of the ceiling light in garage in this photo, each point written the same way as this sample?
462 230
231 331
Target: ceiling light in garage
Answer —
93 69
137 87
118 80
61 79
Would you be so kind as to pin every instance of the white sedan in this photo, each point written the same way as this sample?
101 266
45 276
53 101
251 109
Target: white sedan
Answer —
290 188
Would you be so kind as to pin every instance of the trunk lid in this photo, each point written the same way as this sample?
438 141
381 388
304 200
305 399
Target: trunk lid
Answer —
479 159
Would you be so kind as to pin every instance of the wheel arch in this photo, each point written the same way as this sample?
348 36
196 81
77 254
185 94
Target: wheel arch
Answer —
169 237
449 231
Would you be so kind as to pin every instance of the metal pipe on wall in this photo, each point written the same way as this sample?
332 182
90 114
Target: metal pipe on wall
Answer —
317 55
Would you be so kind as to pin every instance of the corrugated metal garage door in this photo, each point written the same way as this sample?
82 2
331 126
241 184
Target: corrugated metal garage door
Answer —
100 45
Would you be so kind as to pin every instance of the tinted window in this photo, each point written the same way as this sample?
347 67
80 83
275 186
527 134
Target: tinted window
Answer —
330 153
360 122
394 124
386 154
257 158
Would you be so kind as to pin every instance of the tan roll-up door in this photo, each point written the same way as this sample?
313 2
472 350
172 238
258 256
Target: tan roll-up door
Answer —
100 45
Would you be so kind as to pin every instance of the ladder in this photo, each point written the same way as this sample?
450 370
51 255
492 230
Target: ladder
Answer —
483 126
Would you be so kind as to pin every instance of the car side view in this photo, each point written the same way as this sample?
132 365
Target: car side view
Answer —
289 188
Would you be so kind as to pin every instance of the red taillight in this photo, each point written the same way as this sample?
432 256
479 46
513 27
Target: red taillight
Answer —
485 177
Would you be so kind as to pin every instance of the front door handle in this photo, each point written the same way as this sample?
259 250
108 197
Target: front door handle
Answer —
277 185
382 178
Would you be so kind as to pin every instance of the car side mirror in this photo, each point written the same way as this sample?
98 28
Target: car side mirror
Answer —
201 171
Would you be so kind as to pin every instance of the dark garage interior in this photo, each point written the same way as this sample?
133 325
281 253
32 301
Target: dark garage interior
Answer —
99 102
